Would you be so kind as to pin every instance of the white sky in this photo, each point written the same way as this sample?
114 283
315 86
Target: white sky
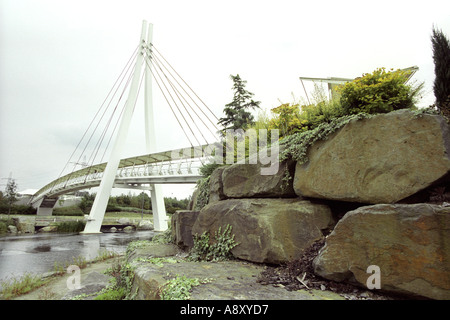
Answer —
58 60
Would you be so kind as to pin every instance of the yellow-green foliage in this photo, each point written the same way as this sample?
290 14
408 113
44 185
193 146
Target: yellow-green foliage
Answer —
378 92
288 120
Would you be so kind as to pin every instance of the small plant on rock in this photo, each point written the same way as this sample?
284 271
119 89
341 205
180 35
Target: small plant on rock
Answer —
179 288
218 250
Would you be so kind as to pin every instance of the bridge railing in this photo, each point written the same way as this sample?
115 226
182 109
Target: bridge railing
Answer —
140 174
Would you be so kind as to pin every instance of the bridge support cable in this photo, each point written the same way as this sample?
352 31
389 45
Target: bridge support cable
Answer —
109 97
177 85
181 98
212 113
127 75
100 141
168 102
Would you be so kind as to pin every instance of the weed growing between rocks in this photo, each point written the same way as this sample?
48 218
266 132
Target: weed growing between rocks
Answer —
122 283
164 237
218 250
179 288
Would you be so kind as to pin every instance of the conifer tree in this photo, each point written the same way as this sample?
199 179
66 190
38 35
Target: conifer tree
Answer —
441 58
11 194
237 114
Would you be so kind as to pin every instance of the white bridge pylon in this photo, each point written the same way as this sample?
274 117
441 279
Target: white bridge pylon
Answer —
97 213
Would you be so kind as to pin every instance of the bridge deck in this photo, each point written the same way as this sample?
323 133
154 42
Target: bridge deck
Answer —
142 168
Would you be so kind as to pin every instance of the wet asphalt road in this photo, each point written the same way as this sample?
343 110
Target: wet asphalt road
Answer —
38 253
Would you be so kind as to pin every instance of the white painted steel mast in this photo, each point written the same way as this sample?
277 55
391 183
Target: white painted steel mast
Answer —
97 213
156 195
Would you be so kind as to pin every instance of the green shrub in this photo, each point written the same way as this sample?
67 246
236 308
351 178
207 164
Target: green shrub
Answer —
288 120
323 111
378 92
71 226
17 209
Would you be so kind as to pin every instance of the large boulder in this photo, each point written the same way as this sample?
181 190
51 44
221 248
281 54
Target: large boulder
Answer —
182 223
145 225
383 159
410 243
246 181
216 186
267 230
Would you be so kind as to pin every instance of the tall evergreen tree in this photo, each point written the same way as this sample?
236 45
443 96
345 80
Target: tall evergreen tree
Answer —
237 115
441 58
11 194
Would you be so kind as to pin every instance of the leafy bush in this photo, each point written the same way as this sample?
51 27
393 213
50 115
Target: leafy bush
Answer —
288 120
378 92
322 112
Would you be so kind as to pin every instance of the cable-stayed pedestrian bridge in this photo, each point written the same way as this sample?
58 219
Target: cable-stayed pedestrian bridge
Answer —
169 167
148 171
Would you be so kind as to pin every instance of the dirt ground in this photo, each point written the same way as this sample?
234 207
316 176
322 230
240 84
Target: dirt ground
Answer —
299 275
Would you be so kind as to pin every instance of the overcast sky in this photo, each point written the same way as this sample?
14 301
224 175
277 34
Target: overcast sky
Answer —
59 59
